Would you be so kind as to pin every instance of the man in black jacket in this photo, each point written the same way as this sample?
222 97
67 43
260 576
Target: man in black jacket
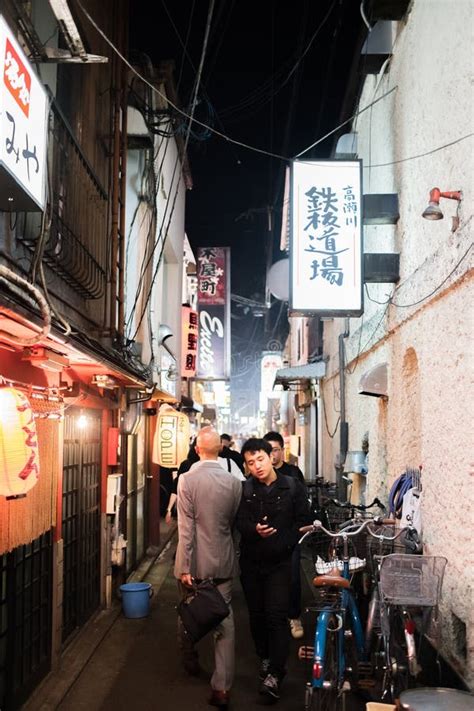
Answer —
277 456
272 509
228 453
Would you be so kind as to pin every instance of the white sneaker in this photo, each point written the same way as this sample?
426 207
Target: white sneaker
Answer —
296 628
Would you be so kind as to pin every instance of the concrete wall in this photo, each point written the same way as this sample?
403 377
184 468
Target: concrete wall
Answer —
427 418
161 243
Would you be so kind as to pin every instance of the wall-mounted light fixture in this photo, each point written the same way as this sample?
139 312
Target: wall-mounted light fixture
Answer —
170 373
433 211
82 421
164 332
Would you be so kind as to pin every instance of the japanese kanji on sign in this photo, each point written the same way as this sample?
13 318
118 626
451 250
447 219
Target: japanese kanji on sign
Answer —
213 266
23 124
326 238
189 341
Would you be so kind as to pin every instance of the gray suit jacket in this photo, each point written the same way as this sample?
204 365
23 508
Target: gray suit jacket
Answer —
208 499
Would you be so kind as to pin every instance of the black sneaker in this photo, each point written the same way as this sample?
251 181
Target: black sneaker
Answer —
264 669
270 687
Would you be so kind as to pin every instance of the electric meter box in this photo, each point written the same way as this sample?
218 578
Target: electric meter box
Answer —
113 492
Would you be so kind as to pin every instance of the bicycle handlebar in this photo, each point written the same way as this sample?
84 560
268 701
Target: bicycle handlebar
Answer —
318 526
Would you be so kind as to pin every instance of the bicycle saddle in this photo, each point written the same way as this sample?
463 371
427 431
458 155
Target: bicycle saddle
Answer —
333 579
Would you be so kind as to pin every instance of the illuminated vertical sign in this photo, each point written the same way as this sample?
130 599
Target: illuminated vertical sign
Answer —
326 249
189 341
23 119
213 271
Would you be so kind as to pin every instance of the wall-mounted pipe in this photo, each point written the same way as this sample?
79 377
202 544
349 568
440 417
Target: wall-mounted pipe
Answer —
344 426
12 278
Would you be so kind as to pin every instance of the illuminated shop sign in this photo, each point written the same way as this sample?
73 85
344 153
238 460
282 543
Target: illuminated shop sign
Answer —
189 341
23 124
213 265
326 238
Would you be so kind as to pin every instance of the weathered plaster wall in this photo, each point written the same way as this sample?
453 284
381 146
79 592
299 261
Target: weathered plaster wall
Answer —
428 416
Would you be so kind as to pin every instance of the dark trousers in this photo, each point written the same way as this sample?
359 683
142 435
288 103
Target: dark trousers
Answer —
267 593
295 593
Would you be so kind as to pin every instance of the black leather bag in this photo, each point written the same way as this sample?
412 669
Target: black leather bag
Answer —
203 610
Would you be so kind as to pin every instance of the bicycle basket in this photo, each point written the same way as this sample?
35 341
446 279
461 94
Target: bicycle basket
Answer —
411 580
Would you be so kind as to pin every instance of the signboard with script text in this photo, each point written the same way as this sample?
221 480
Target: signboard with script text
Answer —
213 271
326 251
23 127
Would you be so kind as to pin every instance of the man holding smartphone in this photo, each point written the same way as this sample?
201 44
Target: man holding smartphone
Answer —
272 509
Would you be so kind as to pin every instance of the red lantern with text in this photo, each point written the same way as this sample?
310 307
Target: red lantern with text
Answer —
19 460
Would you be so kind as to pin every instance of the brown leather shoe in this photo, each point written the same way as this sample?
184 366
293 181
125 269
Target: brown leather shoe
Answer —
220 699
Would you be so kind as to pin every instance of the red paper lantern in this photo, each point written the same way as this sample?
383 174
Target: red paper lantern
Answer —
19 460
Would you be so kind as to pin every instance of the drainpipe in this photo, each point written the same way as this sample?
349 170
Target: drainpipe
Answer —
344 426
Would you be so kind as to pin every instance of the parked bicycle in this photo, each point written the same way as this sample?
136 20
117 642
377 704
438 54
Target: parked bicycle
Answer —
409 589
339 638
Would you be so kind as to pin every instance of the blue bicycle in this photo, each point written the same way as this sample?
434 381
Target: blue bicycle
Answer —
339 649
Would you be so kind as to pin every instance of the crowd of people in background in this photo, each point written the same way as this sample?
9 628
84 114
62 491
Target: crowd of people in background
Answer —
239 513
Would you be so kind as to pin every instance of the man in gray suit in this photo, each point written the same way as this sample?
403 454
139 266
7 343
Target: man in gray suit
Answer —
208 499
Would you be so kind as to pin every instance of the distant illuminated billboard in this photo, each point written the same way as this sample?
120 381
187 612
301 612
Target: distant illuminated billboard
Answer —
326 249
213 297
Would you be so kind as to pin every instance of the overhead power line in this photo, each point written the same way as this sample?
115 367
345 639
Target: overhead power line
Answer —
233 140
201 123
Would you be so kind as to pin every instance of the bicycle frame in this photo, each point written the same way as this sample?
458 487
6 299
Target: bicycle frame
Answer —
347 613
347 606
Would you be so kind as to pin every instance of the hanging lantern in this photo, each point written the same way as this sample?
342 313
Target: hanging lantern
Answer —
19 460
171 442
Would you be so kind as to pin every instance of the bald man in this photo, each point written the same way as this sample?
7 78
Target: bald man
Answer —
208 499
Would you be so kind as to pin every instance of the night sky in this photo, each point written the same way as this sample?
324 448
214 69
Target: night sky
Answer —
259 89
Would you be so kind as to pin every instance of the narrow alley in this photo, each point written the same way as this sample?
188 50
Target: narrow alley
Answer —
137 665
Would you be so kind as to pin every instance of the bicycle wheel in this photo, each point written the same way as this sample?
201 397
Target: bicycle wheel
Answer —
398 657
327 699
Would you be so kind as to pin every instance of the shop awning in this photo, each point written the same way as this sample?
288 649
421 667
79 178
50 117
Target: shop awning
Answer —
294 375
164 396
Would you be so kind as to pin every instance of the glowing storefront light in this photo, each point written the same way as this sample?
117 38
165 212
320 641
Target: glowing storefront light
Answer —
19 460
171 441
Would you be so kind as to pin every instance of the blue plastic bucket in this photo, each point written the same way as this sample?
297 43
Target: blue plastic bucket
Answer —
136 599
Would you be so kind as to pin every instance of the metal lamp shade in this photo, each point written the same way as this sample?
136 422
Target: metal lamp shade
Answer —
433 212
19 459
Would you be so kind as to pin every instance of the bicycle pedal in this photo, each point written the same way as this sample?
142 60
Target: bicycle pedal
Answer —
305 652
364 668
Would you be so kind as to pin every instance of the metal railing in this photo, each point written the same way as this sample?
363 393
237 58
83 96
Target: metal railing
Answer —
76 247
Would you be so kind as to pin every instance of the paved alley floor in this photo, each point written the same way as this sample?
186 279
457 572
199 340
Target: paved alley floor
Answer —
137 666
